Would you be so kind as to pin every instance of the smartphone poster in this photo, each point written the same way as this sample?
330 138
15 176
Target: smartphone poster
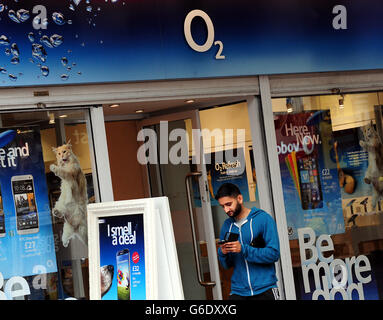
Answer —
311 189
122 257
26 236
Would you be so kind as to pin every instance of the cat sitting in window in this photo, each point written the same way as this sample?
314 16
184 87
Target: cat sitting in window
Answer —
73 199
374 173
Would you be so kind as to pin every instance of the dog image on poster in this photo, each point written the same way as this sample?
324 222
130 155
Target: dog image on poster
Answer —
73 199
106 277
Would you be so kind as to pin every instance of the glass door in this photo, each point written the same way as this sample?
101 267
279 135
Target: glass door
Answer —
229 157
173 149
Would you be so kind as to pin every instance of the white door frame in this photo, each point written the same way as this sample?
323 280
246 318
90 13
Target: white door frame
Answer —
102 179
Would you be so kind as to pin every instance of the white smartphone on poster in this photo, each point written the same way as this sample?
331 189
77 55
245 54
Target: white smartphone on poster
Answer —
23 189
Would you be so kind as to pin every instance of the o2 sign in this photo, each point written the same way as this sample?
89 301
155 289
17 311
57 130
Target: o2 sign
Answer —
210 34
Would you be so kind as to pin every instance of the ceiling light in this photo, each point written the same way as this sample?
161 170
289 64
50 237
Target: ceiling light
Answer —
51 118
63 116
140 111
341 99
289 105
190 101
114 105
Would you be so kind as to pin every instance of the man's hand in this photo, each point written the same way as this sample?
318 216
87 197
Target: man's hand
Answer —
234 247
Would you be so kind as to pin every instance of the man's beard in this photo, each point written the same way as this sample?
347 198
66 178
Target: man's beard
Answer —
237 210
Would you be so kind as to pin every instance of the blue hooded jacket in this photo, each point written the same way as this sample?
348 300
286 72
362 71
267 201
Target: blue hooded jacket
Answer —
254 269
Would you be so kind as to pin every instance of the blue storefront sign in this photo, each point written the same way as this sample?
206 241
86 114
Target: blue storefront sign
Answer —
92 41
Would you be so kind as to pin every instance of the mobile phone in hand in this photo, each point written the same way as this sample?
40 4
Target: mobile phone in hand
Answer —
229 237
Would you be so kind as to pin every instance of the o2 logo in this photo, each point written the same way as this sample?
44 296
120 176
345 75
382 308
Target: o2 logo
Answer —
210 34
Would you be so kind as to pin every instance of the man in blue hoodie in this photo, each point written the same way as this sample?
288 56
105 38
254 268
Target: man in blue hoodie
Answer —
254 254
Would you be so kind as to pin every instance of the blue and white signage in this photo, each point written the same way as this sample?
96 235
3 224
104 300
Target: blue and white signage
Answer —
122 257
132 252
96 41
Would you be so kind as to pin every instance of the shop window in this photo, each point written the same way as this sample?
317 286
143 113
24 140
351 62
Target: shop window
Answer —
330 153
43 227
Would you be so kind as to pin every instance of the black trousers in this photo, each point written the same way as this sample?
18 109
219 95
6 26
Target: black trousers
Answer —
271 294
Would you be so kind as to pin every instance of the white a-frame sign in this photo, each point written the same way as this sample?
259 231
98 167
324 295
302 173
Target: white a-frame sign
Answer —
132 251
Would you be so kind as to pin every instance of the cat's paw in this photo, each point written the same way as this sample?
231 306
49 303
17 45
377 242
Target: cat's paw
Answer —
65 243
53 168
57 213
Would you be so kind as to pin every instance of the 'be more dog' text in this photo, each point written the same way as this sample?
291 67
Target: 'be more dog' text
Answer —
122 235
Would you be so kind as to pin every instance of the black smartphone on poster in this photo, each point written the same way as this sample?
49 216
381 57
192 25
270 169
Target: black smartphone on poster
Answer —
123 275
309 180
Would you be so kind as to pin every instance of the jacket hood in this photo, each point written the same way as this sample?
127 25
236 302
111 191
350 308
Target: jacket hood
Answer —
253 212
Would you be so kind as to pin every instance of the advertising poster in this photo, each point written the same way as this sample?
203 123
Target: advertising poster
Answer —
122 257
353 161
26 237
311 189
227 166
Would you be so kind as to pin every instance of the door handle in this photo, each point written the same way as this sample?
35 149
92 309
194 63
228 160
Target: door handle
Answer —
195 247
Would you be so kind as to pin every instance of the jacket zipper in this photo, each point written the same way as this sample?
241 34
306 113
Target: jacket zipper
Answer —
247 266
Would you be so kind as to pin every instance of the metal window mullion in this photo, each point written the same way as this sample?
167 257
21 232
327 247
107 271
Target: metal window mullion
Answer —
262 168
276 188
269 178
259 153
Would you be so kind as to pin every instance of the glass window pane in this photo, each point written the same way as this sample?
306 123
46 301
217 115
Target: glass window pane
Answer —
331 160
44 192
